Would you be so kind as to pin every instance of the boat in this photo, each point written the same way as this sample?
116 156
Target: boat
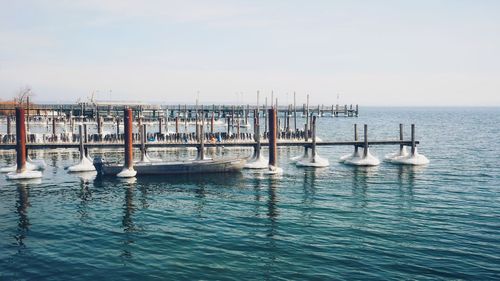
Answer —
174 167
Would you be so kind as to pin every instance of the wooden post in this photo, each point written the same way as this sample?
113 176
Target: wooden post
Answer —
202 142
82 148
212 123
20 140
294 113
143 142
272 137
53 124
313 150
257 134
177 124
401 136
8 127
117 127
365 150
413 139
28 114
128 138
356 138
160 125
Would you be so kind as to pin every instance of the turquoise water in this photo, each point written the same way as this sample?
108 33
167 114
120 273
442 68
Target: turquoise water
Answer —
388 222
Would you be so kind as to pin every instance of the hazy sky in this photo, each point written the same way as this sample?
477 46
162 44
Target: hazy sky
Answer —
370 52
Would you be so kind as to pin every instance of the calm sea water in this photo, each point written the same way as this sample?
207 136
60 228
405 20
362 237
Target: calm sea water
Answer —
388 222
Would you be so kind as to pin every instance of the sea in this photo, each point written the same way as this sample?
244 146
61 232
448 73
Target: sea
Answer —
440 221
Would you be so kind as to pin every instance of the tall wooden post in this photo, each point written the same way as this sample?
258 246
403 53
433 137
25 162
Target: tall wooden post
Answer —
160 125
313 150
117 127
365 150
212 123
401 136
177 124
128 138
143 143
8 127
355 138
20 140
413 139
294 113
28 113
82 148
273 147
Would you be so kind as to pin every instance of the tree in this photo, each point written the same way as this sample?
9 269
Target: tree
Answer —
23 94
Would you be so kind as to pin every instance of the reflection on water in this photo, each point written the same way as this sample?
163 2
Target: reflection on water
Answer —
360 175
406 182
127 221
22 205
85 194
272 214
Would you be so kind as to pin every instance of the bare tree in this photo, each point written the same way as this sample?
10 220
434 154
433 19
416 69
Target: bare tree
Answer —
23 94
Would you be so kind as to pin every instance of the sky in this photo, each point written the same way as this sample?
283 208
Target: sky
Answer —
371 53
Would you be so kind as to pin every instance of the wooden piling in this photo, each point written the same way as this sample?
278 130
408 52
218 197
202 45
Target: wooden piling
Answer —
143 142
53 124
294 113
401 136
160 125
273 147
127 120
201 153
212 120
365 148
413 146
313 150
356 138
117 127
177 125
8 127
20 140
82 148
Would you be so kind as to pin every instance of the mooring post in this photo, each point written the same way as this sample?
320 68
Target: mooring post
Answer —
82 148
313 150
28 114
294 113
356 139
9 137
212 120
357 110
129 164
177 124
20 140
257 135
365 150
117 127
160 125
99 124
143 143
272 137
201 149
401 136
53 125
413 139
